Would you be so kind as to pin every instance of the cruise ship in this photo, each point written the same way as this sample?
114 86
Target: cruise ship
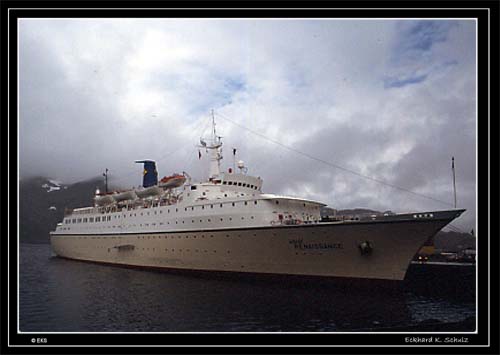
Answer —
228 224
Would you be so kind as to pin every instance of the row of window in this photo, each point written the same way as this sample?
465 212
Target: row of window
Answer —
242 184
161 237
108 218
87 220
152 224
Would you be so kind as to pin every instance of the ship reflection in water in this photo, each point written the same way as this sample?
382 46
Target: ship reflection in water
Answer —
63 295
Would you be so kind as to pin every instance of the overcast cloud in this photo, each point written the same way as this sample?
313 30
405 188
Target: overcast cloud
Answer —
393 100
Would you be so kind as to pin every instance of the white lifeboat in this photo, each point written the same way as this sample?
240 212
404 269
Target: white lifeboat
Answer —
104 199
125 195
148 191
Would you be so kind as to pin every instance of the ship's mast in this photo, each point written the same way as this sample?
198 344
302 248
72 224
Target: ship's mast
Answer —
215 148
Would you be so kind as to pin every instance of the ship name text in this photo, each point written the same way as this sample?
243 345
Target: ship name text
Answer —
299 244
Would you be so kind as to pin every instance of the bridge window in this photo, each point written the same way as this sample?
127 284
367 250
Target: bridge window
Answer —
74 219
193 187
254 202
229 182
239 184
224 183
233 204
246 203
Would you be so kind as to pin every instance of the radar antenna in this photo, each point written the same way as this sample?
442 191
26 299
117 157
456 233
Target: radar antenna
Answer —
215 147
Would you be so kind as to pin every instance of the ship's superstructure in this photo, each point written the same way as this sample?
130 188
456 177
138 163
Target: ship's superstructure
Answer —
228 224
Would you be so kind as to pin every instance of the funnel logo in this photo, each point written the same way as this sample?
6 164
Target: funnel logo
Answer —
150 175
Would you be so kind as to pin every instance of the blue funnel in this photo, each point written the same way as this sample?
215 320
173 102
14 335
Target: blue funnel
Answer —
150 177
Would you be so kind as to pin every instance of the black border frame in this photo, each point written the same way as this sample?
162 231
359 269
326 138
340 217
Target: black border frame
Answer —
486 12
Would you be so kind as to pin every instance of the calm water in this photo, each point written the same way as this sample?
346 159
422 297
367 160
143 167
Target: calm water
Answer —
63 295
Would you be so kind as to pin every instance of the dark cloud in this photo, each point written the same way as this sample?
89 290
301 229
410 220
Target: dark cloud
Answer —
388 100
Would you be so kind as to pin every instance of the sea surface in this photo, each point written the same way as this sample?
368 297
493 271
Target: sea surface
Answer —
59 295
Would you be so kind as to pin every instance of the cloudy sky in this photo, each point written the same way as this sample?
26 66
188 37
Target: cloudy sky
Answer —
391 100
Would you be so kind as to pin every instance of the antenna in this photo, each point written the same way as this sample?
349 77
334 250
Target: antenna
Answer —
213 126
234 159
454 185
215 150
105 174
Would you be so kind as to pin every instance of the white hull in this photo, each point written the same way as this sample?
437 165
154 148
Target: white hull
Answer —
324 249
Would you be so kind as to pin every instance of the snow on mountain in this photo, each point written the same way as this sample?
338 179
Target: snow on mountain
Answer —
52 185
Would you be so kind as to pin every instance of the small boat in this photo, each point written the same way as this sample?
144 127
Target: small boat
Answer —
148 191
172 181
104 199
125 195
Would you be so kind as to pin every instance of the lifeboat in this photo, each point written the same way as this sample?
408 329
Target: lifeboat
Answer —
149 191
125 195
175 180
103 200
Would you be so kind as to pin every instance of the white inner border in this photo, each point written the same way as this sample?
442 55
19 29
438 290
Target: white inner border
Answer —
253 345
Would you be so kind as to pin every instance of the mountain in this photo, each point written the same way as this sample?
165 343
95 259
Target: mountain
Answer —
454 241
42 202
